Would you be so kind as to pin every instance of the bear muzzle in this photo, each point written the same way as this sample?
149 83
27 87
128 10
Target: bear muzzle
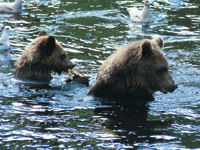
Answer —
60 69
174 87
69 65
171 88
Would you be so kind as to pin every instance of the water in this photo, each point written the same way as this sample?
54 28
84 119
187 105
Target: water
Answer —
62 116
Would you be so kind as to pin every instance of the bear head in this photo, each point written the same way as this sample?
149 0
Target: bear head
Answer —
136 70
153 67
43 56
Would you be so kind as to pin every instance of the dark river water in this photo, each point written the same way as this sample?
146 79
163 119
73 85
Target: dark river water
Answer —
62 116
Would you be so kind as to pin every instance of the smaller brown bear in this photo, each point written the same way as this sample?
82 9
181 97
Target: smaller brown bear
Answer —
135 71
41 57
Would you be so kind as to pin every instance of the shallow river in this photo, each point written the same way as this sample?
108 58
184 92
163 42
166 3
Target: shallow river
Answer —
62 116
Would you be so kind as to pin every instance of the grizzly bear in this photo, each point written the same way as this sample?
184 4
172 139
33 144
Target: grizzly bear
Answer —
41 57
135 71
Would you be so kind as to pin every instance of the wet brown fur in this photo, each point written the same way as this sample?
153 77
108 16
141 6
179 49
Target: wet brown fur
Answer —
130 72
43 56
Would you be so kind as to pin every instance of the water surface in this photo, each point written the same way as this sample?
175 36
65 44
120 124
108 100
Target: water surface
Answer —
62 116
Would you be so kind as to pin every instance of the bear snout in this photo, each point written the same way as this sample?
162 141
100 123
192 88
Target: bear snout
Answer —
173 88
71 65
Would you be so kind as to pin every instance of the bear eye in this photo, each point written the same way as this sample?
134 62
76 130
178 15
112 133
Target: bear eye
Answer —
63 56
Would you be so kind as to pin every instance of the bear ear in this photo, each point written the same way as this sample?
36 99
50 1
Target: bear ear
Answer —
47 47
159 41
51 43
43 33
146 48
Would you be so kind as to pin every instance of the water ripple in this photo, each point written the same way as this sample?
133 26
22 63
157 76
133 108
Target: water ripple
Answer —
62 116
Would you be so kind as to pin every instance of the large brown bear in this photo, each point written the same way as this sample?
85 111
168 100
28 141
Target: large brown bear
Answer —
135 71
41 57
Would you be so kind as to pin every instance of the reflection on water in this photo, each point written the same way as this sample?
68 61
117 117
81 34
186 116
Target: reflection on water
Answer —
62 116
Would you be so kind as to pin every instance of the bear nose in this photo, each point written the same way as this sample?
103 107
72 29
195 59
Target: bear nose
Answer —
173 88
71 66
